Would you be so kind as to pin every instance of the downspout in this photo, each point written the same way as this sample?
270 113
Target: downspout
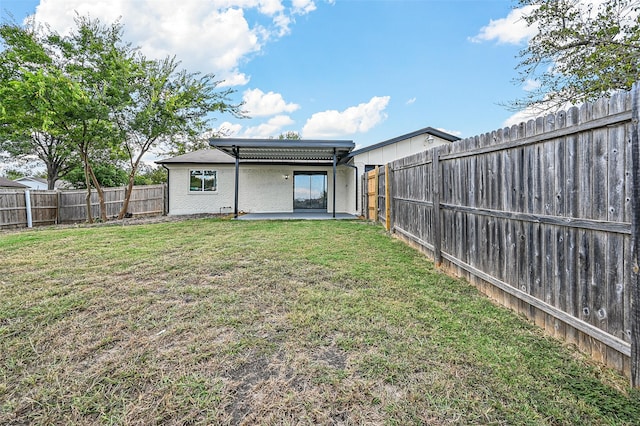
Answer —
236 152
357 181
168 192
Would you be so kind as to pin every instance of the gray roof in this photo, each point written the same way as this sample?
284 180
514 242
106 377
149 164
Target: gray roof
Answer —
284 149
427 130
33 178
8 183
204 156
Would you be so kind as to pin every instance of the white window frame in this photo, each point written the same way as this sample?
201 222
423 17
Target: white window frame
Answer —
201 174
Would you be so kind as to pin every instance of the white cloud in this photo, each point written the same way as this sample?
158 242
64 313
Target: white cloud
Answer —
411 101
303 7
535 111
357 119
513 29
531 85
510 30
271 128
260 104
451 132
271 7
521 117
207 36
228 130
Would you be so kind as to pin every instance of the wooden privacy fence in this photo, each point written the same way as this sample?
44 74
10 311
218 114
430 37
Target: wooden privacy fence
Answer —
539 217
68 206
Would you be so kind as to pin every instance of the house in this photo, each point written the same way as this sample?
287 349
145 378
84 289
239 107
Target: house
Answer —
262 176
9 184
379 154
282 176
33 182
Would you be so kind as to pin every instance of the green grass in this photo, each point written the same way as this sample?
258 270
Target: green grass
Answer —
225 322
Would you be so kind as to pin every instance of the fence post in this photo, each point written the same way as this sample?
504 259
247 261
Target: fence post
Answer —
58 201
364 204
27 206
635 238
377 194
387 201
437 225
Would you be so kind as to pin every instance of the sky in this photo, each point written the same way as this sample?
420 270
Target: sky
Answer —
361 70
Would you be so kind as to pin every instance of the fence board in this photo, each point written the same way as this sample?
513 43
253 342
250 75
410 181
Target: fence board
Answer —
538 216
12 209
68 206
372 194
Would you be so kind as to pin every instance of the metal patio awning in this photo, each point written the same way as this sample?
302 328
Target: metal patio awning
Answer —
284 150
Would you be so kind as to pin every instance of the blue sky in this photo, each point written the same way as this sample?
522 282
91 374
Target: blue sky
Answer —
364 70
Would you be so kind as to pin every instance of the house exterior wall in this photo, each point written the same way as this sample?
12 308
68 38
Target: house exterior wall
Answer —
395 151
263 189
392 152
182 201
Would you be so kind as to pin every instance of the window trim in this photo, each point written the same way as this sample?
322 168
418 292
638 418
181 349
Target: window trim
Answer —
202 189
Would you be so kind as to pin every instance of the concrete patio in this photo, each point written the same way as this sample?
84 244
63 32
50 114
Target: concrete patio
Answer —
297 216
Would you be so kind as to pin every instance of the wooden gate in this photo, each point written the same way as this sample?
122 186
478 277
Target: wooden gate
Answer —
372 194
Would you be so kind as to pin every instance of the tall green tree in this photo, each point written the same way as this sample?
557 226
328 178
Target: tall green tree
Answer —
61 90
171 108
32 89
95 58
98 99
582 50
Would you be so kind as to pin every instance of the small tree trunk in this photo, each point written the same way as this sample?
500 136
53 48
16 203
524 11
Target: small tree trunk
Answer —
87 182
127 197
103 206
129 190
52 177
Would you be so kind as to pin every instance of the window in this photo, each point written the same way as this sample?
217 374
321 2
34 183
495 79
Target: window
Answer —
203 180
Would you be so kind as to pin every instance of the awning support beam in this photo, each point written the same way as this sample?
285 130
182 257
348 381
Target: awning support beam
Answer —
334 182
236 153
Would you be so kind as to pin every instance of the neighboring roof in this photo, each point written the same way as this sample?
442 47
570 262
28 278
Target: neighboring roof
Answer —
284 149
32 179
8 183
206 156
427 130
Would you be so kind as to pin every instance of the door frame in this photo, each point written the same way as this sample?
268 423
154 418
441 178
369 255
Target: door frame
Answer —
326 190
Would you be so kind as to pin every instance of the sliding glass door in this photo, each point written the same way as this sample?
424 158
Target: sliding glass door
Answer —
310 191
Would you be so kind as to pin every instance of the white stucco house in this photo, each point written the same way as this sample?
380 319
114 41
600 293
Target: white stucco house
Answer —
381 153
282 176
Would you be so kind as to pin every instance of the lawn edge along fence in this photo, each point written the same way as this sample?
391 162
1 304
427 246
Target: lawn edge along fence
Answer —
543 217
25 208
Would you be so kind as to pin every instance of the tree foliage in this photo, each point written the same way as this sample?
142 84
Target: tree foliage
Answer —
583 50
149 175
171 108
290 135
107 174
90 98
32 89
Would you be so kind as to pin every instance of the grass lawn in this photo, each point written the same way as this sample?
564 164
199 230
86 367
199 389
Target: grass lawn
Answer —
230 322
